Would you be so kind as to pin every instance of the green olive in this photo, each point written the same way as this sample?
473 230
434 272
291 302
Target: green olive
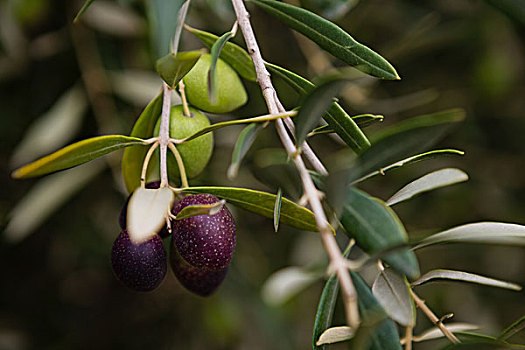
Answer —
230 92
195 153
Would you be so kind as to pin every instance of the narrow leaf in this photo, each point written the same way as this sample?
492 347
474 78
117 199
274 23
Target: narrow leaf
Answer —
133 157
313 107
260 119
76 154
262 203
384 335
331 38
200 209
325 129
428 182
162 17
286 283
277 210
436 333
515 327
147 212
214 53
173 67
46 197
181 18
375 228
364 120
391 290
336 116
479 232
405 139
326 306
242 146
232 54
465 277
410 160
335 335
83 9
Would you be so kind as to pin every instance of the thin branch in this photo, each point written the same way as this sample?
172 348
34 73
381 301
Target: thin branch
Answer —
337 260
180 163
164 134
146 163
182 92
432 317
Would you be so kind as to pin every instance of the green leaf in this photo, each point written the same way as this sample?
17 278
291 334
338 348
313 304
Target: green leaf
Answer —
83 9
334 335
200 209
173 67
405 138
262 203
515 327
364 120
384 335
260 119
242 146
335 116
232 54
313 107
331 38
286 283
133 157
441 274
76 154
326 306
410 160
481 233
375 228
277 209
215 52
392 292
162 16
428 182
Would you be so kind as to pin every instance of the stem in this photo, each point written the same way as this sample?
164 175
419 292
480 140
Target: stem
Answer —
337 260
164 134
432 317
146 163
180 163
408 337
185 108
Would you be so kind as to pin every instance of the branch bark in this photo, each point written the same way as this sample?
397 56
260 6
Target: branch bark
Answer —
337 260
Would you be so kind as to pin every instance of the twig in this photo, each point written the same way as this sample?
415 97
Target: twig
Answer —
337 260
432 317
408 337
182 92
164 134
146 163
180 163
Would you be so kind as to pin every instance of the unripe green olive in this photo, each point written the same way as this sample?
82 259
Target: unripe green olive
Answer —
230 93
195 153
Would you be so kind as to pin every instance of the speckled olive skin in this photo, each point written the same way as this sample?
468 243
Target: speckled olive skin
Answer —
204 241
230 93
141 267
163 233
199 281
195 153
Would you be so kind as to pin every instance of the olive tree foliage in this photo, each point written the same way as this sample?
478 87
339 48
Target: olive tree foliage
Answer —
323 195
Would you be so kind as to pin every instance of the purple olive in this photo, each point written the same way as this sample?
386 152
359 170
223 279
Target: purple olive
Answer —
204 241
124 211
199 281
141 267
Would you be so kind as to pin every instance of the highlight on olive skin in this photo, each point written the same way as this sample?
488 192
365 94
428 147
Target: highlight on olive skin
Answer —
141 267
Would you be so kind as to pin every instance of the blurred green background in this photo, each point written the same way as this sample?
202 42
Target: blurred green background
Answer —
61 82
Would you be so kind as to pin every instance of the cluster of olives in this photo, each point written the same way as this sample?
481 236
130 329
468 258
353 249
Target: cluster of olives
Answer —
201 247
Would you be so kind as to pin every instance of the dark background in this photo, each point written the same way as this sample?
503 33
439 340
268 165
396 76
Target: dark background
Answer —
57 289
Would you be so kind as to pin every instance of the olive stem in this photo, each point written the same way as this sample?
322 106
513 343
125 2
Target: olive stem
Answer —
182 93
164 134
337 260
180 163
146 163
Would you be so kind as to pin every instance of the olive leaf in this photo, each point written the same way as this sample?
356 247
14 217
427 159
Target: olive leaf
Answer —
147 212
162 17
214 53
331 38
76 154
375 228
436 333
442 274
200 209
173 67
133 157
286 283
392 292
277 209
262 203
242 146
515 327
428 182
83 9
335 335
